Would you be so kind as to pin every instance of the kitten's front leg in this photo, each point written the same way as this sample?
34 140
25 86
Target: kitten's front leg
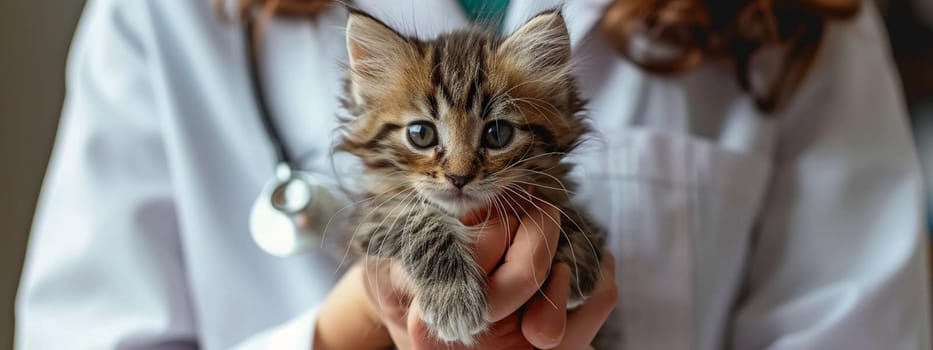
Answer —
450 287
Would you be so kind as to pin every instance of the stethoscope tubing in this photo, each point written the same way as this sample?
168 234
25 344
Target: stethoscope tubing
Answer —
283 156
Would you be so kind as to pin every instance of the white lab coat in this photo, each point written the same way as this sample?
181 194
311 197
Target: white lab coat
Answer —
731 229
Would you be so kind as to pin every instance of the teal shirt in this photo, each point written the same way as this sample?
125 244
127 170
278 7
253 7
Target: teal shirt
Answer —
489 13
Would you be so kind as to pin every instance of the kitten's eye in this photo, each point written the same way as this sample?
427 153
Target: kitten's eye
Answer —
422 135
497 135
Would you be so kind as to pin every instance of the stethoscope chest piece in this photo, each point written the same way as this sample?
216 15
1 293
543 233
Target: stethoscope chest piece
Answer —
295 208
292 212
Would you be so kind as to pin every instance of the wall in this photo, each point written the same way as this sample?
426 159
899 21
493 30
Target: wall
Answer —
34 37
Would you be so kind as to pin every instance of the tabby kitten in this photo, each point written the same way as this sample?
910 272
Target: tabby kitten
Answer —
455 124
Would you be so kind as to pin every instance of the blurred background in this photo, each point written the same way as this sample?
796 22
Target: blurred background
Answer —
35 35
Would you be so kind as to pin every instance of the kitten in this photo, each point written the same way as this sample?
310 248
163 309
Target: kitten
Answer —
447 126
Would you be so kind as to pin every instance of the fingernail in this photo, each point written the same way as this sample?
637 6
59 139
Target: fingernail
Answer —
549 339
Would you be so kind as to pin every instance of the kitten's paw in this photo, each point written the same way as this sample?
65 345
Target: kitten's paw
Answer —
457 316
461 328
581 287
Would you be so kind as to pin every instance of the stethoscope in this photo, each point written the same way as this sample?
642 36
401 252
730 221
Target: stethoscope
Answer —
294 208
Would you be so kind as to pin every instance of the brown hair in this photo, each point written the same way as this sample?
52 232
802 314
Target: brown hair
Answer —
734 29
698 30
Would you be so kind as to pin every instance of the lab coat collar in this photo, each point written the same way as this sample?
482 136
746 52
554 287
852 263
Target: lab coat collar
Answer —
580 15
420 18
439 16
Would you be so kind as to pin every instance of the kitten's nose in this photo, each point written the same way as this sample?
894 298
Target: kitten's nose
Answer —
459 181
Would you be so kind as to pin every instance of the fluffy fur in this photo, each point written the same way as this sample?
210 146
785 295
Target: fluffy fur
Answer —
428 120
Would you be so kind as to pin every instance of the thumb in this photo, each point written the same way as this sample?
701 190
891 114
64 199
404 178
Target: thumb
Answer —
418 333
421 337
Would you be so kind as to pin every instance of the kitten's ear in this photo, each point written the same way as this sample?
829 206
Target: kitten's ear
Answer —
542 43
373 47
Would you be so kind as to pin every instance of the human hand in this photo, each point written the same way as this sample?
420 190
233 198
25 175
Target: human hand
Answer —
516 253
347 319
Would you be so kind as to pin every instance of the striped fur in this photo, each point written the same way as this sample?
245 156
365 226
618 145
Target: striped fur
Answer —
461 83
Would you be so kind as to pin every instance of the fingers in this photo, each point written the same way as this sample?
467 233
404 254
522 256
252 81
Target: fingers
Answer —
528 245
400 337
348 311
419 336
387 290
503 335
526 263
585 321
388 285
545 318
478 216
497 231
497 225
542 325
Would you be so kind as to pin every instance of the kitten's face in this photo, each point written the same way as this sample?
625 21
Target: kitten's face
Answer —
464 118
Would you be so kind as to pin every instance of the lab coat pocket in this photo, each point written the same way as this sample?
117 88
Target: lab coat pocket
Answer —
679 211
